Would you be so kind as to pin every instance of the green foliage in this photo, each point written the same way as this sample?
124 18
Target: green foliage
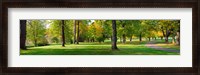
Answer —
107 28
98 30
36 32
55 40
54 30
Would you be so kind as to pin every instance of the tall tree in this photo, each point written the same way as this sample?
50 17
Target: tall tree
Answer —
77 40
114 35
23 34
36 31
166 28
178 37
178 32
123 32
107 28
63 33
54 31
140 29
74 31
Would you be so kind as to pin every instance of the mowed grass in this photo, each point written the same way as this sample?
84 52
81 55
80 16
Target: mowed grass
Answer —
130 48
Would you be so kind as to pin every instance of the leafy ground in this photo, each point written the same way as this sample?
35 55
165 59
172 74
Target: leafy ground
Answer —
133 48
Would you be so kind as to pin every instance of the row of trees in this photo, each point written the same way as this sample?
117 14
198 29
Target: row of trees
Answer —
40 32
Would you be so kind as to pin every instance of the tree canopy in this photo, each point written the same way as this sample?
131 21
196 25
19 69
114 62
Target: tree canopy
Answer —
43 32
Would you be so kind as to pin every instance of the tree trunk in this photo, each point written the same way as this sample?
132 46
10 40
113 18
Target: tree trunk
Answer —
155 38
161 38
120 39
131 38
167 35
35 35
140 36
163 31
178 38
114 35
166 39
173 39
63 33
149 38
23 34
124 38
74 31
35 42
77 41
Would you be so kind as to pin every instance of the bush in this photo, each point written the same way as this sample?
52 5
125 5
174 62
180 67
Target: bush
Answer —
42 42
55 40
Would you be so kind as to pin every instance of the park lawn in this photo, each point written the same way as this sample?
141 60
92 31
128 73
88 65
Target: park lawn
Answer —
135 48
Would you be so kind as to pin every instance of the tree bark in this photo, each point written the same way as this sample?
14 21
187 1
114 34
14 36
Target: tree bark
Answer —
124 36
35 35
131 38
74 31
166 39
114 35
173 39
167 35
35 42
140 36
63 33
77 41
178 38
149 38
163 31
23 34
161 38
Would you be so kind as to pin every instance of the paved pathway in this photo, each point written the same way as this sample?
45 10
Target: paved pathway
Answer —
152 45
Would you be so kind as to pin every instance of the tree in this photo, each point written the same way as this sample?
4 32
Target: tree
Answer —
167 28
140 29
175 32
69 31
150 26
130 29
54 30
107 28
23 34
63 33
74 31
77 39
114 35
36 31
122 29
95 31
99 24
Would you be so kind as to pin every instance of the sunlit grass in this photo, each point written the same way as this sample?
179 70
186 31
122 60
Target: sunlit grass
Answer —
95 48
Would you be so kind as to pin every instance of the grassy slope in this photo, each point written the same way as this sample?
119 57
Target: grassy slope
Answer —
134 48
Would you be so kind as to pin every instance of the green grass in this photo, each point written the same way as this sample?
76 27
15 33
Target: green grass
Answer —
130 48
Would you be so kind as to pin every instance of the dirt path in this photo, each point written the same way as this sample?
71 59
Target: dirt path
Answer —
152 45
